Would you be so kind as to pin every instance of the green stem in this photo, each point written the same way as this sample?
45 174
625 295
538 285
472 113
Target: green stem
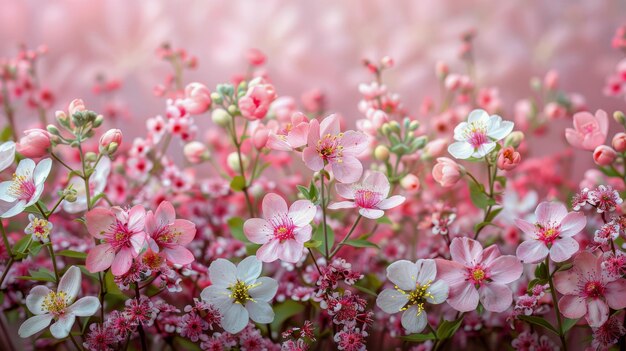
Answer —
54 260
76 345
5 239
342 243
58 159
556 305
142 334
326 248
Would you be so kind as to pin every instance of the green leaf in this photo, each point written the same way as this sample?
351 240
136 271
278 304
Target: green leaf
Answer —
360 243
611 172
493 214
448 328
95 199
112 288
20 249
478 196
42 275
319 236
313 244
34 248
235 224
540 322
304 191
418 337
238 183
284 311
541 272
365 290
72 254
384 220
568 324
313 192
6 134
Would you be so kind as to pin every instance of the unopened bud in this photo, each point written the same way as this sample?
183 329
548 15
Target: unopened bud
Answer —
234 163
69 195
619 117
220 117
381 153
514 139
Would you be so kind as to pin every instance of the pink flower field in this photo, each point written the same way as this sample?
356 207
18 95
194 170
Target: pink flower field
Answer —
285 175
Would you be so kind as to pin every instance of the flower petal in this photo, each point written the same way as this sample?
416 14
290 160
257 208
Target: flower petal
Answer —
260 312
179 255
302 212
257 230
505 269
562 249
34 325
413 321
572 306
35 299
403 273
249 269
426 271
235 318
274 205
62 327
222 273
70 282
597 313
264 290
615 294
461 150
99 220
391 300
572 224
466 251
495 297
391 202
122 262
269 251
438 292
100 258
531 251
371 213
85 306
550 212
349 170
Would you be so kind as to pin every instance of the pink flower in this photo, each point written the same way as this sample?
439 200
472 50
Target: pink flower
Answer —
256 57
370 197
197 98
195 152
327 145
508 159
588 291
34 144
410 183
282 231
475 274
551 234
169 235
447 172
122 234
255 104
292 136
589 131
76 105
604 155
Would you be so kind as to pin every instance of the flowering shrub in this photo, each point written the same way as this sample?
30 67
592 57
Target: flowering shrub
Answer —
284 228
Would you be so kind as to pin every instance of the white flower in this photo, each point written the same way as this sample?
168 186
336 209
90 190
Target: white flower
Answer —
478 136
47 305
7 154
414 286
97 183
26 186
238 293
40 228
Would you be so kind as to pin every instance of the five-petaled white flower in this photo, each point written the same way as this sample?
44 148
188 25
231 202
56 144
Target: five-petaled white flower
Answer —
478 136
39 228
25 187
48 305
415 285
239 294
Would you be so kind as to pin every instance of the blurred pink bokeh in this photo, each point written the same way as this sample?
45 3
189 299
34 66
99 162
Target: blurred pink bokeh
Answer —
316 44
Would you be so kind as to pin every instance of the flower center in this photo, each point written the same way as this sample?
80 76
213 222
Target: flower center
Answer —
40 228
283 228
167 235
330 148
240 292
22 187
548 234
589 128
476 134
367 198
417 297
477 275
594 289
55 303
119 236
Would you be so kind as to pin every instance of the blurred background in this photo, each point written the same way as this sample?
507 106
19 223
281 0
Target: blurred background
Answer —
313 44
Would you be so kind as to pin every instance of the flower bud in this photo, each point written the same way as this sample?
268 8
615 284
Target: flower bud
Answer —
91 156
62 118
619 117
111 136
447 172
197 98
508 159
69 194
256 57
381 153
233 162
97 121
34 144
442 70
619 142
260 137
196 152
77 105
410 183
604 155
435 148
52 129
220 117
514 139
216 97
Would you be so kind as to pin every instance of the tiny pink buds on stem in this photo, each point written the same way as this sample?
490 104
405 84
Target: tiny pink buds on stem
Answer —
447 172
110 141
604 155
410 183
197 98
196 152
619 142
